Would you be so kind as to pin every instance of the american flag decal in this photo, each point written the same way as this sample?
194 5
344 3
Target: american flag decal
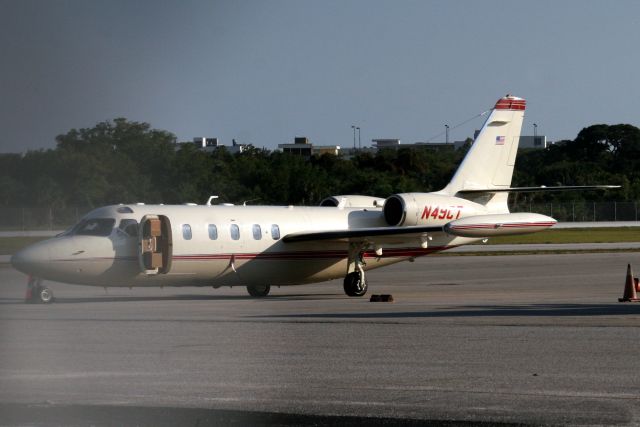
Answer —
499 140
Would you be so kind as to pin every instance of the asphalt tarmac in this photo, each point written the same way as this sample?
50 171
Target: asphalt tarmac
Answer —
522 339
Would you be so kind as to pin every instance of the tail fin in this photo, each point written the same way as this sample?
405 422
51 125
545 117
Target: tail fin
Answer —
490 160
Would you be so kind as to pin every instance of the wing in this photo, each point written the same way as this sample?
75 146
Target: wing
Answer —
375 234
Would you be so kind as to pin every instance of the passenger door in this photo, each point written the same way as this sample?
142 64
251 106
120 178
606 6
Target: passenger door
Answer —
155 247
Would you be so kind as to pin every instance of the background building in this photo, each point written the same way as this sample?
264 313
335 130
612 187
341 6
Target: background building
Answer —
212 144
303 147
538 141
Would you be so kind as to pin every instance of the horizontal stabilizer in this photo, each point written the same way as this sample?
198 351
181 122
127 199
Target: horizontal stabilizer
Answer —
541 188
375 233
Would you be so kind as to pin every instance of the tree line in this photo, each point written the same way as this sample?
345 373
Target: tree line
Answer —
121 161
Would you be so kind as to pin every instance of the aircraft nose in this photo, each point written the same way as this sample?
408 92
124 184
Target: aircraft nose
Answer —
32 259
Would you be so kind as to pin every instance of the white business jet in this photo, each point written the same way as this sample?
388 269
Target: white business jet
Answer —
262 246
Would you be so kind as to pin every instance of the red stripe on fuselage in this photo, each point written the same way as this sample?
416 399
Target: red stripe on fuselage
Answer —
284 256
387 253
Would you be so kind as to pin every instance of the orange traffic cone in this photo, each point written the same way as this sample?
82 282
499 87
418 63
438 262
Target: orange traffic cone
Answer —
630 294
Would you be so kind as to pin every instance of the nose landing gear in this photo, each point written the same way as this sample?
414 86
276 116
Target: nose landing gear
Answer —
36 293
259 291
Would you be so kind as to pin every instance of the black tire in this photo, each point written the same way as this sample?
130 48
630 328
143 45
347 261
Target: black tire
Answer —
45 295
259 291
354 285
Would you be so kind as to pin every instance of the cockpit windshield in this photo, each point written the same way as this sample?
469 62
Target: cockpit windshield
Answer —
94 227
129 227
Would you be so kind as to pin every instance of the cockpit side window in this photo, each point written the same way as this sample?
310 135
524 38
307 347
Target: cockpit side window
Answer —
129 227
94 227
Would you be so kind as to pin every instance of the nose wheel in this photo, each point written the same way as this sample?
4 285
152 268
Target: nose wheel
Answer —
37 293
259 291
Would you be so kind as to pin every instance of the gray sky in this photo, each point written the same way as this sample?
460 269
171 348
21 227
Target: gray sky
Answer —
265 71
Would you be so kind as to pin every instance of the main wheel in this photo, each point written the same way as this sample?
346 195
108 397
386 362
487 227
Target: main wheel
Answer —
259 290
355 285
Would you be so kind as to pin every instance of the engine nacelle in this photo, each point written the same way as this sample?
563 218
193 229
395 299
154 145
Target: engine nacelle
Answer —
351 201
499 225
409 209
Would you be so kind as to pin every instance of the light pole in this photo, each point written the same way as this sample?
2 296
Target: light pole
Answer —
446 132
535 134
359 141
354 136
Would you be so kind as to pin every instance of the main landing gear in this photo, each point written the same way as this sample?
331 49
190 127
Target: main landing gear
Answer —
36 293
355 284
259 291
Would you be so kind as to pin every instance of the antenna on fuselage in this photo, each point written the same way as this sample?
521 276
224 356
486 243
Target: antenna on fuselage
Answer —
212 198
248 201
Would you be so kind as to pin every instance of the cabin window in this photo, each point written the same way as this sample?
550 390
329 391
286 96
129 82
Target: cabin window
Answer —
257 232
186 232
94 227
129 227
235 232
213 232
275 231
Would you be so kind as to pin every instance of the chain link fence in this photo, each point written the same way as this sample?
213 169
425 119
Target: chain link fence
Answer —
32 219
582 211
15 219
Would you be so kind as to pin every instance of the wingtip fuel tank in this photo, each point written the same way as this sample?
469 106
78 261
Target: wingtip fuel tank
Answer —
499 225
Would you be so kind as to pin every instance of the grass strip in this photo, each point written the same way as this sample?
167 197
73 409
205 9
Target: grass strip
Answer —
537 252
573 235
10 245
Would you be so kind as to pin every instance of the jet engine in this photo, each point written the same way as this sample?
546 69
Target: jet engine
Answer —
410 209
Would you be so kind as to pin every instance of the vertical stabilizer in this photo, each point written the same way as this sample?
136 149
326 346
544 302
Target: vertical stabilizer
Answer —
490 160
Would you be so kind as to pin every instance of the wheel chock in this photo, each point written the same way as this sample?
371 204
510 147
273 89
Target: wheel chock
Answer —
630 288
381 298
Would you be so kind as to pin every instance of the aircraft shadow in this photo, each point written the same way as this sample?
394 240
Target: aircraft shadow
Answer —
531 310
110 415
117 298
